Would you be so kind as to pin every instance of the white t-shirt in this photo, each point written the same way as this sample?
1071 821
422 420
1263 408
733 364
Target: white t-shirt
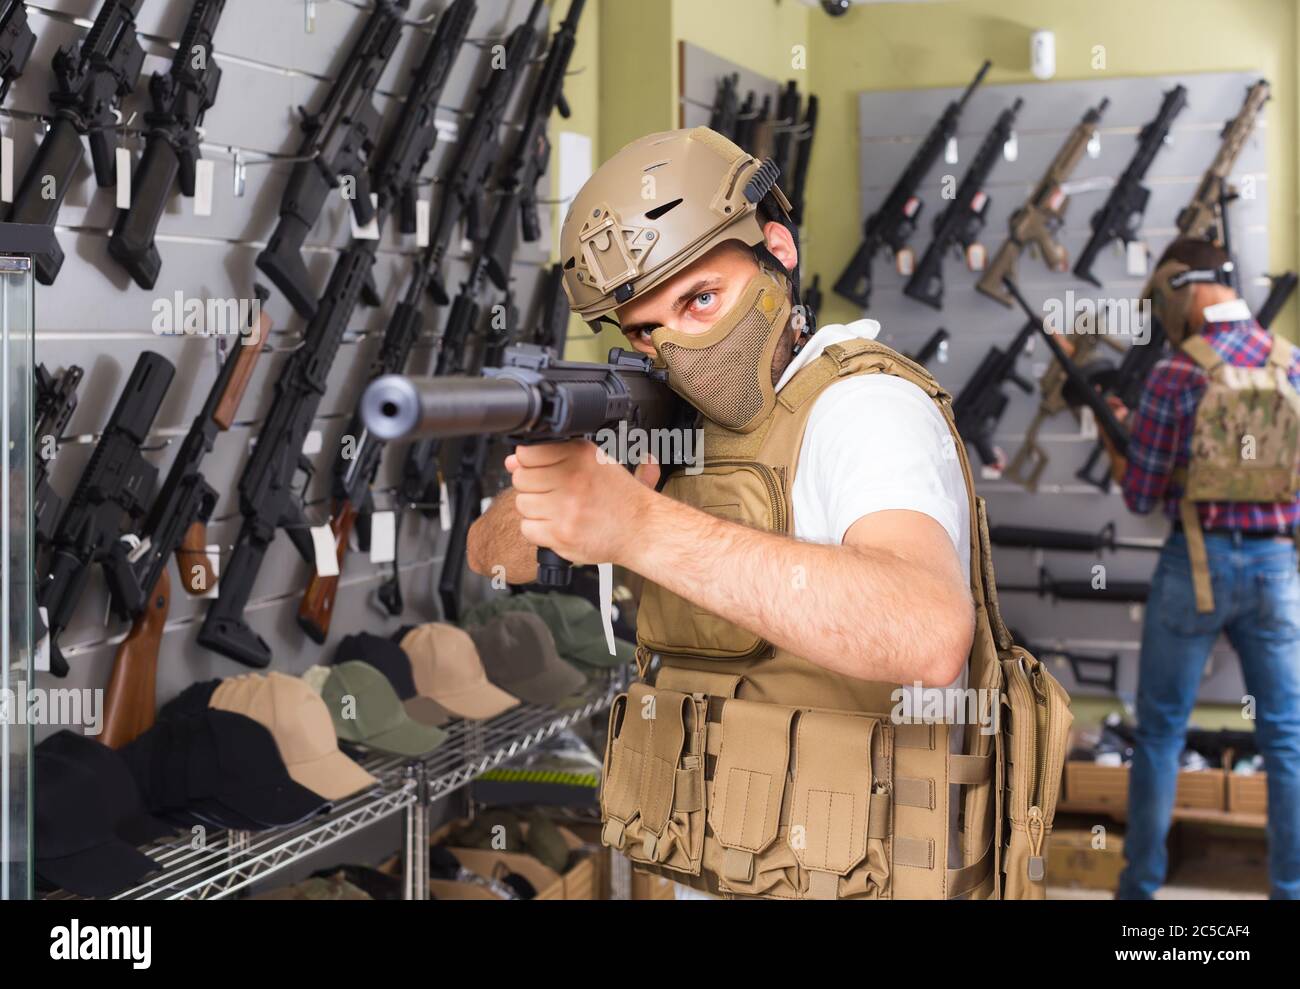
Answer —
874 443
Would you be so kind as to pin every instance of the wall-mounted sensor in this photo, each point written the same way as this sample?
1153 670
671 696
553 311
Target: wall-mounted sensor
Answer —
1042 54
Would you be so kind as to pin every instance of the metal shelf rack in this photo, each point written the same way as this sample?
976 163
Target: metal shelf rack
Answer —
226 862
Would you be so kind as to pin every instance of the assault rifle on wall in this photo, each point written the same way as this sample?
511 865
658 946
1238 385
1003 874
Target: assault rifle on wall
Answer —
1121 215
726 106
90 80
978 409
1281 288
338 139
930 349
960 223
893 224
1088 670
1030 537
171 150
1121 591
1036 223
55 401
16 43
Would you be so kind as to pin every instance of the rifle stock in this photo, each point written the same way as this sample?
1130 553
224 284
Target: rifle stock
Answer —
317 605
192 561
131 696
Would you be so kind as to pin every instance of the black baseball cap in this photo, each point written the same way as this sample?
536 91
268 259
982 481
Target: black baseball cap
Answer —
89 817
191 700
219 767
384 655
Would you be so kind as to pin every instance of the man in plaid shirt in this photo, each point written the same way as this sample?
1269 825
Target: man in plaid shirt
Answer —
1253 568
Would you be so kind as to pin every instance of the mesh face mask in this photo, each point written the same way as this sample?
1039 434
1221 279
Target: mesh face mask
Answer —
1172 297
726 373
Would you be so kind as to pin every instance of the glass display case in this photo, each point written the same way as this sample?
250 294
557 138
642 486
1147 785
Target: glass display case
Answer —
18 244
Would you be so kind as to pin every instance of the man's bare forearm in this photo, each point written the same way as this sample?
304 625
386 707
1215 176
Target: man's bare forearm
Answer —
860 611
495 541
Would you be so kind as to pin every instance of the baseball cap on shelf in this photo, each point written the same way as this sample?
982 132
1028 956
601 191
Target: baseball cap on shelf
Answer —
88 818
519 654
219 767
333 887
447 668
366 710
191 700
299 721
574 622
384 655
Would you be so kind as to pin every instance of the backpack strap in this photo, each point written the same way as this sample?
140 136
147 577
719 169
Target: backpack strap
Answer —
1199 350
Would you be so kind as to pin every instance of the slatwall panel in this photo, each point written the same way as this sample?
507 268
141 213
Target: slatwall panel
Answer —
891 125
96 317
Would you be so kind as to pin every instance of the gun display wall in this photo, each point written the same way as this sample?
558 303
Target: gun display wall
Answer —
273 208
986 340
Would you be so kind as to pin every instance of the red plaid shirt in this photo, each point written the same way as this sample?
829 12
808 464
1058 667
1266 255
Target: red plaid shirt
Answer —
1161 432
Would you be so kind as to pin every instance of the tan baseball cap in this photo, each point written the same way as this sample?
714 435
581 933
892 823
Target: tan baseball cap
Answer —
299 721
447 668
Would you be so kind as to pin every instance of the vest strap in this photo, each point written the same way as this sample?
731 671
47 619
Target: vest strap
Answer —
970 768
1199 350
969 879
1283 353
915 852
914 793
1196 553
880 818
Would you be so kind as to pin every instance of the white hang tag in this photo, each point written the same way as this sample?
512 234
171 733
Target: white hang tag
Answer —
41 661
1094 145
371 230
976 257
990 472
1087 423
941 355
123 178
204 177
383 537
1135 258
444 507
6 169
312 443
322 541
422 222
605 573
484 504
950 150
213 553
1011 149
905 261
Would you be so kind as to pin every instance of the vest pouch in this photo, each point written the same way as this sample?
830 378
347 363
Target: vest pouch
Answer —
790 801
1036 731
652 791
745 492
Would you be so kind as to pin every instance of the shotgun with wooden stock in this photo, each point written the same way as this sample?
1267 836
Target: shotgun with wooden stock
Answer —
139 588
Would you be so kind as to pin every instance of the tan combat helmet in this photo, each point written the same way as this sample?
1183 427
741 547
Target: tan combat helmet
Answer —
657 206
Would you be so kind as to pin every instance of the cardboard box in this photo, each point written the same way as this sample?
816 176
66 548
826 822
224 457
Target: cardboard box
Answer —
1073 861
1203 789
1092 785
579 881
1248 793
647 886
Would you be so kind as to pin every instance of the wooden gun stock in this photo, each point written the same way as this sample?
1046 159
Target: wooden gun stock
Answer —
317 607
132 692
250 349
192 561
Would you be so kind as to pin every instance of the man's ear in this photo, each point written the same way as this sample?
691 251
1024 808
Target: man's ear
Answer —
781 244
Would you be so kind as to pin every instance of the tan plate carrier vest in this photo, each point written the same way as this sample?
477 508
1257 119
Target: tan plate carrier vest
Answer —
1241 405
747 771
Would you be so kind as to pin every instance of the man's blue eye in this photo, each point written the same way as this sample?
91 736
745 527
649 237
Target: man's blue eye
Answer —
704 298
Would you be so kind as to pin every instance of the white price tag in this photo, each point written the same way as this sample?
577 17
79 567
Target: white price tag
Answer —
484 504
6 169
422 207
991 472
383 537
312 443
41 661
371 230
1087 423
123 178
1135 258
213 553
322 541
444 506
204 176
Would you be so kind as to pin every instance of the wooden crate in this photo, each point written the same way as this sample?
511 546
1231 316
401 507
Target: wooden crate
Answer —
1202 789
1248 793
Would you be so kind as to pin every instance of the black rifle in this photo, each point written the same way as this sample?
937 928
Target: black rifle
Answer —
534 397
180 99
726 106
552 325
110 499
55 401
1028 537
930 348
527 162
962 220
788 105
338 141
802 160
892 225
16 43
746 117
812 299
1127 591
91 80
978 409
475 158
1280 290
1089 671
1121 215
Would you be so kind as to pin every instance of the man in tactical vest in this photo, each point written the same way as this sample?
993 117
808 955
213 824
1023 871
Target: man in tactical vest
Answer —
1216 438
828 550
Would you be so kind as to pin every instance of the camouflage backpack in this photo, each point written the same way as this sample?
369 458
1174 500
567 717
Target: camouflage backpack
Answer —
1245 444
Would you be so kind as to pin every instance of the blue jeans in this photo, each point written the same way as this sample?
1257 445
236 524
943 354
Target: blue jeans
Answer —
1257 604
